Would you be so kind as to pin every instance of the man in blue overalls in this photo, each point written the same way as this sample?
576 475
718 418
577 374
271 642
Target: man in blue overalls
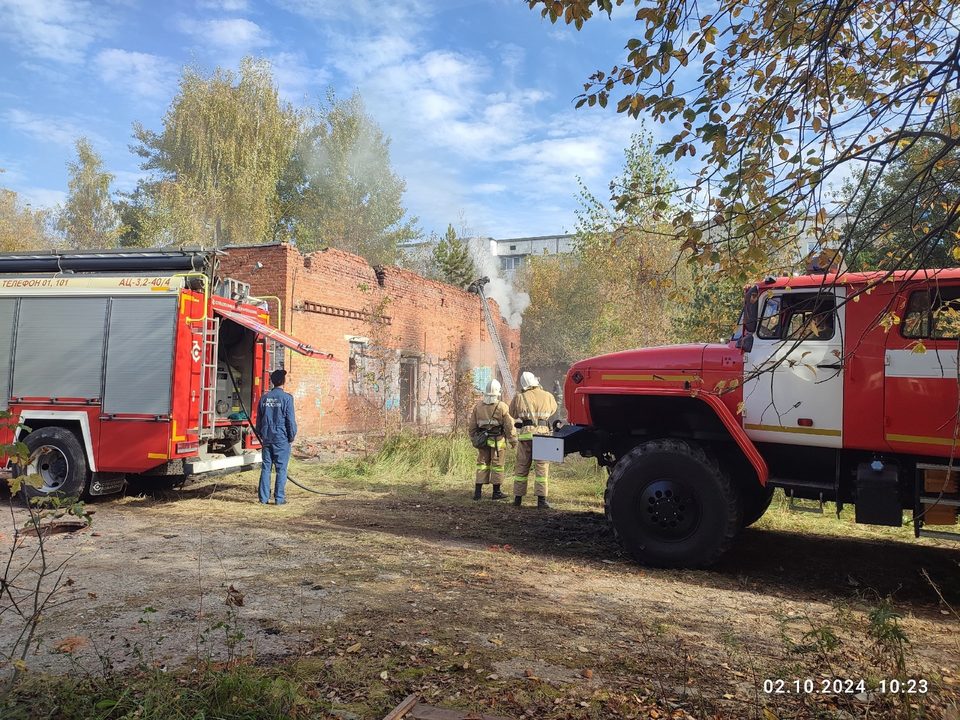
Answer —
277 428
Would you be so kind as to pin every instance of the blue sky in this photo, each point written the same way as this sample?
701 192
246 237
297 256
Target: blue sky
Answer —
476 95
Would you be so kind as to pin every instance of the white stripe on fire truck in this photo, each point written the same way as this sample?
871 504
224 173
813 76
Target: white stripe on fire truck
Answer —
933 364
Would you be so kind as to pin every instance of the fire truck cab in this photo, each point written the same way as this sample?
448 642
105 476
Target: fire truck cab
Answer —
836 387
121 365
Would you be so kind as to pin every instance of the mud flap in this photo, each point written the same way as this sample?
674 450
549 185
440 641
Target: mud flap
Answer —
107 483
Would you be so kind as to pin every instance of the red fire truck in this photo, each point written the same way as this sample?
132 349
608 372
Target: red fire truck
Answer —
131 364
836 387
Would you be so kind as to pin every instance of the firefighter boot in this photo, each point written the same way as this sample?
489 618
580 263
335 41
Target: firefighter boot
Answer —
477 490
542 503
497 494
517 500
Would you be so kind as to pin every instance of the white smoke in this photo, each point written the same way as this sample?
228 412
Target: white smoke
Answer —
512 302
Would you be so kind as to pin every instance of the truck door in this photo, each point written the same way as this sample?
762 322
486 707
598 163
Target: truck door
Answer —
920 372
793 374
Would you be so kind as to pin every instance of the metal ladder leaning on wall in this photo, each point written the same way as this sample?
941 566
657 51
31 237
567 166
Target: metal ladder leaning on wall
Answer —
502 361
208 377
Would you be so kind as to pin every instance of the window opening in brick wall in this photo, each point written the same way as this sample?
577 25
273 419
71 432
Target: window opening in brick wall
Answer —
482 376
359 368
409 388
275 355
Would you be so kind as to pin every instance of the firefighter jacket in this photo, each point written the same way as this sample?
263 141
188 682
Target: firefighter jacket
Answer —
494 418
533 407
276 422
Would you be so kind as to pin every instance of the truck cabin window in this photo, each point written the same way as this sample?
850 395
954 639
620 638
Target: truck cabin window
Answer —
798 316
933 313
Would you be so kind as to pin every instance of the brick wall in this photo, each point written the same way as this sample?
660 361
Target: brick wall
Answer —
404 328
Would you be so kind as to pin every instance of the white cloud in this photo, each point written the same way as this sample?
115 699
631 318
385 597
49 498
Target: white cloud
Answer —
224 5
557 162
358 57
38 197
149 76
371 13
59 30
295 77
55 130
439 98
231 34
472 128
489 188
126 180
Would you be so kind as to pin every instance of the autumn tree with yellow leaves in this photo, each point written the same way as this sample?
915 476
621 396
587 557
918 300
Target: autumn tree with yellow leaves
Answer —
22 227
774 100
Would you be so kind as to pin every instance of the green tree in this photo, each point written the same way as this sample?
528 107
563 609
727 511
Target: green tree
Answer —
619 289
88 219
630 255
558 325
788 96
340 190
21 227
709 306
132 210
451 260
882 230
225 144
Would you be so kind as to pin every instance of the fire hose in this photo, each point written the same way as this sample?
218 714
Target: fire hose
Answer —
253 427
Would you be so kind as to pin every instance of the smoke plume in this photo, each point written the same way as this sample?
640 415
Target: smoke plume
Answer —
512 302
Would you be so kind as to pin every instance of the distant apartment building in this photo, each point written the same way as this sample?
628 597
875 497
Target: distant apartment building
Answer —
512 253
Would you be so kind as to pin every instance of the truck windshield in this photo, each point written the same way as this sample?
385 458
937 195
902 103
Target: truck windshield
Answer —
738 332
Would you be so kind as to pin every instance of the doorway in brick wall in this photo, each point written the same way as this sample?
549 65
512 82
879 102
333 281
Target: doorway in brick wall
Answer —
409 388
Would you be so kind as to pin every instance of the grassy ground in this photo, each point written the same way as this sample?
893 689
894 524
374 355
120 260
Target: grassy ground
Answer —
397 582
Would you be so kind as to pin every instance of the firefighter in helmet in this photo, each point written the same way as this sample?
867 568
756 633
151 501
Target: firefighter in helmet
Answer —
532 407
492 426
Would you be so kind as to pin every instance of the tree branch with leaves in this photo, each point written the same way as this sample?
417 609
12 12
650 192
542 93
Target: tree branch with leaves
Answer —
771 101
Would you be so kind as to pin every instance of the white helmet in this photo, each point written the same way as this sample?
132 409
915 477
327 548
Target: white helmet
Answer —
492 394
529 380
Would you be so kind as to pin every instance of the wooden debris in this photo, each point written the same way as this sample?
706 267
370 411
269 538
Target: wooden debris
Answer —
405 706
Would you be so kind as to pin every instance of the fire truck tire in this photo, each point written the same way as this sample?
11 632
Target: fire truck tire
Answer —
755 504
60 461
672 505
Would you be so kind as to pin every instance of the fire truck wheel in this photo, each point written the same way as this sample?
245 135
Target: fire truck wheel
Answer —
671 505
755 503
57 456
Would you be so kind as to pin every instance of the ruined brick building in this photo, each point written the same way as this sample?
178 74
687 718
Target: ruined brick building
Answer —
409 351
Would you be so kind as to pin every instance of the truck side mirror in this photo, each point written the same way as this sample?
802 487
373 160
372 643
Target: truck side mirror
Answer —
751 310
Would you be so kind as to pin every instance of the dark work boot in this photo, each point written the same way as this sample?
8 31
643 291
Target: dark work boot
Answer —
477 491
542 503
497 495
517 500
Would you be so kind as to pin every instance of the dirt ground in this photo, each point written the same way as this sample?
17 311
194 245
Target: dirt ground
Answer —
382 589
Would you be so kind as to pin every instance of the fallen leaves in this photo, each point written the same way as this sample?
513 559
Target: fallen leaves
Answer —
234 597
70 645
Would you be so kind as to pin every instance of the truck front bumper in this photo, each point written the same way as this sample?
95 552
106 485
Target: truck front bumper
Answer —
568 439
